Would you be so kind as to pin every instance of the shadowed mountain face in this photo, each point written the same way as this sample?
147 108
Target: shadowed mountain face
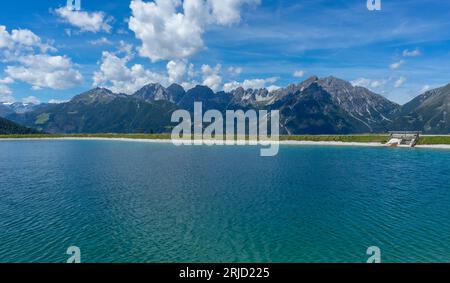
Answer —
429 112
10 128
5 110
332 106
101 111
315 106
313 112
209 99
373 112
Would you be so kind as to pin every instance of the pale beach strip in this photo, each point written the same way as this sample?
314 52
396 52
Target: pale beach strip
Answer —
298 143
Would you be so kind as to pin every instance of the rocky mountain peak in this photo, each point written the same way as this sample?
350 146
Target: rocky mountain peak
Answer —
96 95
152 92
157 92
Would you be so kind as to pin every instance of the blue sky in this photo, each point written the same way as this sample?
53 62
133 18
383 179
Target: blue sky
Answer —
49 53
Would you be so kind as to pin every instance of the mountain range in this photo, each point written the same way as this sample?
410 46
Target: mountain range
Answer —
315 106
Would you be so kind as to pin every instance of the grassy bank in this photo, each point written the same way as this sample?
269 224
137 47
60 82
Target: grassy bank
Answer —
338 138
331 138
424 140
107 136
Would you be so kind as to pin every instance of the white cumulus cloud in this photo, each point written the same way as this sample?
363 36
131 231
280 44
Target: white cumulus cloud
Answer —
116 75
40 70
6 80
85 21
45 71
27 60
211 77
5 91
5 94
180 71
173 29
20 40
252 84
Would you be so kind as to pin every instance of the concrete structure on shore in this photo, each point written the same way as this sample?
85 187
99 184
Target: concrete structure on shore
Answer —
403 139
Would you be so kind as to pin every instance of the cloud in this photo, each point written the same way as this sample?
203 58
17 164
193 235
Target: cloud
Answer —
298 73
6 80
20 40
396 65
382 86
258 83
227 12
211 77
101 41
414 53
85 21
368 83
45 71
362 82
179 71
25 54
30 100
56 101
5 91
273 88
235 71
5 95
116 75
252 84
173 29
400 82
425 88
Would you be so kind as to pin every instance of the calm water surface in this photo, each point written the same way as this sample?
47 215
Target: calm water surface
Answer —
144 202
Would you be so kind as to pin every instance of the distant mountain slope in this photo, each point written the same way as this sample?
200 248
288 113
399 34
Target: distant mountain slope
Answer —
373 110
313 112
100 111
5 110
315 106
17 107
429 112
10 128
332 106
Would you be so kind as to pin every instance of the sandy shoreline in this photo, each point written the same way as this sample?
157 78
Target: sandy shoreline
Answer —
309 143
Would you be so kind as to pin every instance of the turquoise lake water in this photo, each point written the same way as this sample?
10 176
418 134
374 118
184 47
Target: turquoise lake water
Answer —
144 202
